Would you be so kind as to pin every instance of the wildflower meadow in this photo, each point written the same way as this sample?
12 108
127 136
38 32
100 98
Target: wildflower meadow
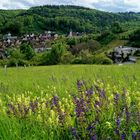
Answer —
77 102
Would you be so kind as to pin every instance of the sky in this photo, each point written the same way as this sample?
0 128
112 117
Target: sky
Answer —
105 5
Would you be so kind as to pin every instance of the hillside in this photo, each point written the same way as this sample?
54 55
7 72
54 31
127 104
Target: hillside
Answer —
62 19
98 33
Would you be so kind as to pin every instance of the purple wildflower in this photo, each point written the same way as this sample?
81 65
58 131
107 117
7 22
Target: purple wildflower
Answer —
90 91
97 103
75 99
20 108
91 127
94 137
55 104
34 106
97 110
123 137
74 133
116 98
80 107
12 108
79 85
55 100
117 132
98 88
26 110
102 94
118 122
134 135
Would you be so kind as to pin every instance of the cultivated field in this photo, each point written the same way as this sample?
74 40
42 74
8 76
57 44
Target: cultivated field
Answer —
70 102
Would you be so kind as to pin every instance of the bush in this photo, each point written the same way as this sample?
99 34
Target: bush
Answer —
85 57
101 59
67 58
27 50
13 62
57 52
23 62
15 53
93 45
38 59
77 60
3 62
45 59
72 41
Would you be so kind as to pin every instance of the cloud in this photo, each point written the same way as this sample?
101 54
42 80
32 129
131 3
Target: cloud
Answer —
117 5
106 5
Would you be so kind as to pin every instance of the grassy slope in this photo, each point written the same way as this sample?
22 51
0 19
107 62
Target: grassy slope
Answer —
116 43
111 45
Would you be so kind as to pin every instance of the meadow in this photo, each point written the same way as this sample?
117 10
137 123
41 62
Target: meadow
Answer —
70 102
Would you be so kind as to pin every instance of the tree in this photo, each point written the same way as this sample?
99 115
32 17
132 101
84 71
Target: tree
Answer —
27 50
58 50
116 28
15 53
93 45
14 27
134 38
72 41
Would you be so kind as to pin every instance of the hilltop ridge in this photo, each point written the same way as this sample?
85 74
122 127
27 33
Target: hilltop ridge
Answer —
61 19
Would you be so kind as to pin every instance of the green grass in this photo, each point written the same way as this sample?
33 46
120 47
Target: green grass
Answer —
21 86
19 80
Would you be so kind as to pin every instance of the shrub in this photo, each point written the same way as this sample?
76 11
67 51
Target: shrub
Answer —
37 60
12 62
72 41
23 62
93 45
86 57
58 50
101 59
27 50
3 62
77 60
67 58
20 62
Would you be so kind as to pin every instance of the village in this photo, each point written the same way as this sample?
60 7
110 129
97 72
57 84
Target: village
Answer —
40 43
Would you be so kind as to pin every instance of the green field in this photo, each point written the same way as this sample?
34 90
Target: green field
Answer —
70 102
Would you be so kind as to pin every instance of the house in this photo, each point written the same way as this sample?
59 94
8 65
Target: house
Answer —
123 54
9 37
71 34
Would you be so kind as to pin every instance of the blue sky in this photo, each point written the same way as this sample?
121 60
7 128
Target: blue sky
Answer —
105 5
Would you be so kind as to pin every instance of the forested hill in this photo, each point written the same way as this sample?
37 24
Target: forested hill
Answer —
61 19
